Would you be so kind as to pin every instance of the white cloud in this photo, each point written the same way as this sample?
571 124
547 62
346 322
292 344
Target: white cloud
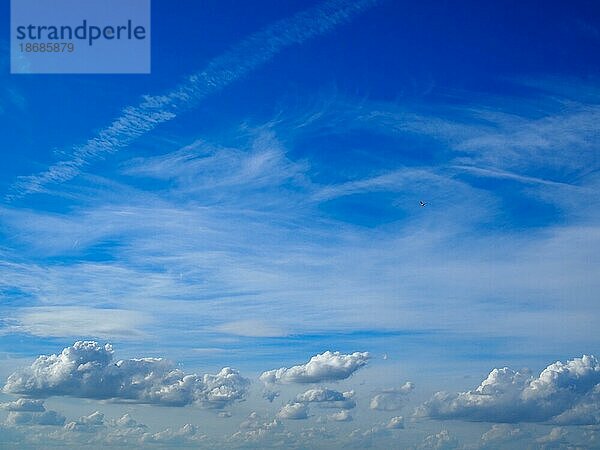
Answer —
295 411
204 167
69 321
96 429
500 433
51 418
24 405
254 429
126 421
328 398
392 399
341 416
187 434
373 437
31 412
125 431
87 424
88 370
395 423
566 393
246 56
252 421
280 283
328 366
556 435
439 441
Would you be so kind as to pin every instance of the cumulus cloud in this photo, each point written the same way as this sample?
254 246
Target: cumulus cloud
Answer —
126 421
555 436
391 399
87 370
439 441
256 429
565 393
31 412
125 431
252 421
341 416
328 398
294 411
187 434
376 436
500 433
328 366
87 424
51 418
395 423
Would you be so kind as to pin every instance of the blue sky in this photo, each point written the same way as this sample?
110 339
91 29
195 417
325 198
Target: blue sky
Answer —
254 202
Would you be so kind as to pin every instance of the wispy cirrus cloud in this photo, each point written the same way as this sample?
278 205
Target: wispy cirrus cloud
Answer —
244 57
76 321
233 230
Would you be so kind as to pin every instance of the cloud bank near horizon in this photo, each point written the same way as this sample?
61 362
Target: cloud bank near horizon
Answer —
564 393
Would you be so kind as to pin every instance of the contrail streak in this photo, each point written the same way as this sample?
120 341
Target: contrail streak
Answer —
244 57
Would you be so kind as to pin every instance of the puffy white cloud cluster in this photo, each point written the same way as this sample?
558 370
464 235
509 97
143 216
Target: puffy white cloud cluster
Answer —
328 398
327 366
87 370
564 393
125 431
293 411
91 432
392 399
31 412
87 424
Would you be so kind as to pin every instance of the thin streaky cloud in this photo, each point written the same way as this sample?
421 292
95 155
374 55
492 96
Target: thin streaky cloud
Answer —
496 173
248 55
